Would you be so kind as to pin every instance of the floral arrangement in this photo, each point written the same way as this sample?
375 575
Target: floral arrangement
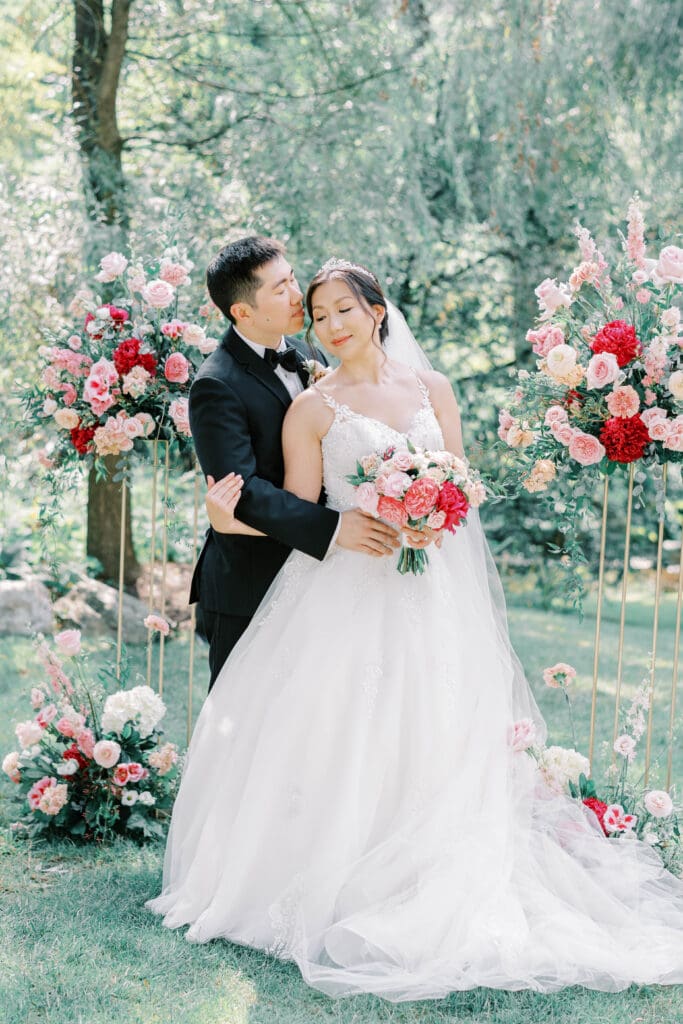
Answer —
608 385
417 488
623 808
125 372
87 771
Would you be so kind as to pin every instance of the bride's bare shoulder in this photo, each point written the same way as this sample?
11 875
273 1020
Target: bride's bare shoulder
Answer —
310 410
439 386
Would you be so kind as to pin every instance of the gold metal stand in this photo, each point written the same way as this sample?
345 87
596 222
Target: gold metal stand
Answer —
598 618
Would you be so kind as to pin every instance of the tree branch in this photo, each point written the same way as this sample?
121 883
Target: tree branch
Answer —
108 132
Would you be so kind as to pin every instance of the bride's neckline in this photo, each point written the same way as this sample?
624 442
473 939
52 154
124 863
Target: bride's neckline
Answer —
347 411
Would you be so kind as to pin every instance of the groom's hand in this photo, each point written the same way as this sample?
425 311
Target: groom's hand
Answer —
221 499
360 531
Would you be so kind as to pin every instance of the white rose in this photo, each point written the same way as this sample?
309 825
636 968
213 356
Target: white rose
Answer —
68 767
671 318
195 335
658 803
676 385
112 266
561 360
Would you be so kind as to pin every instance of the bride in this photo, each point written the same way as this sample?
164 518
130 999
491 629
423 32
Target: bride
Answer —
351 800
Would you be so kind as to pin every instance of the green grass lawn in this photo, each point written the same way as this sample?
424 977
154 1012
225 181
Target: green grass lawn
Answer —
77 946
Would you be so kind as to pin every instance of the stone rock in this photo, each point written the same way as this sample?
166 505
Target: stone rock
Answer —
93 607
25 607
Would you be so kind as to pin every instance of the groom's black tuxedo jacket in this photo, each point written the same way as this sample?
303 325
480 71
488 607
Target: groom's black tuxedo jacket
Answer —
237 405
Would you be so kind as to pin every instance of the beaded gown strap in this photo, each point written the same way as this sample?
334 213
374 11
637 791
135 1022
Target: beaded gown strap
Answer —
424 391
341 412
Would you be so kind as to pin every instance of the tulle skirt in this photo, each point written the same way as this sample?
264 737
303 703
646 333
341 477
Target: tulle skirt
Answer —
351 802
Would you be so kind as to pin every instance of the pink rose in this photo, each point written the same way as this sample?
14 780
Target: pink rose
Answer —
563 433
28 734
421 497
437 520
658 803
602 369
669 268
396 484
146 422
402 460
555 415
675 385
522 734
121 774
658 428
392 511
177 368
623 402
195 335
643 296
74 342
136 772
179 413
674 438
106 753
112 266
68 642
586 449
367 497
476 494
70 725
158 294
158 623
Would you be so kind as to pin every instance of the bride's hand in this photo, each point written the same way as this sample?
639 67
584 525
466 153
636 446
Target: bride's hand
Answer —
422 538
221 499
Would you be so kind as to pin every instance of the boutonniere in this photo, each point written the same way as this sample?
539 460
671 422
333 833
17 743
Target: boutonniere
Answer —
315 370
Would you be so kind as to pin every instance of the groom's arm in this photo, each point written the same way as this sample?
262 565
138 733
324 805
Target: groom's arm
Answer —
220 429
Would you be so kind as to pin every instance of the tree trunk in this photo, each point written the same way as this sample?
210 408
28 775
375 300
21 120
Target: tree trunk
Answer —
97 61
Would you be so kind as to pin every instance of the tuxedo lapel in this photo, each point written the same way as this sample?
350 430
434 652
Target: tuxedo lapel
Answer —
255 365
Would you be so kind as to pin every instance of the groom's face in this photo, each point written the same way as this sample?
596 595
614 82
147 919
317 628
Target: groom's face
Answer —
277 307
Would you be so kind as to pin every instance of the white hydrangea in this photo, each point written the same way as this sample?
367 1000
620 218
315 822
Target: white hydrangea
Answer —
141 706
559 765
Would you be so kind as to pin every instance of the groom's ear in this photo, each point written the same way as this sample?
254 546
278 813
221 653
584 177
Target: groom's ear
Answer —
240 311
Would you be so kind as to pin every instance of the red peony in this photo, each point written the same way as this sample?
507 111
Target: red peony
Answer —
625 440
127 355
393 510
619 338
598 808
421 497
81 438
454 504
72 753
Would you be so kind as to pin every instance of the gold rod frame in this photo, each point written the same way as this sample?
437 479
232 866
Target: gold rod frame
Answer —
164 559
598 618
152 559
674 674
655 627
193 608
122 558
622 618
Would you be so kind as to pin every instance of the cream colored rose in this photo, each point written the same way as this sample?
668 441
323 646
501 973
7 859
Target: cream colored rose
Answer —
520 436
676 385
560 361
67 419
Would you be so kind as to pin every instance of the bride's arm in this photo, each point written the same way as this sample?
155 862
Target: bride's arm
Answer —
302 430
447 413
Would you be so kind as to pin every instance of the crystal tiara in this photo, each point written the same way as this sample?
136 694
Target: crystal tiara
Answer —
336 264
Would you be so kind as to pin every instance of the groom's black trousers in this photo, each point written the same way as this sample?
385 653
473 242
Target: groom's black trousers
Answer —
222 632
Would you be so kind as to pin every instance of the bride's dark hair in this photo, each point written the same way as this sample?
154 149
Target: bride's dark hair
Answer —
362 283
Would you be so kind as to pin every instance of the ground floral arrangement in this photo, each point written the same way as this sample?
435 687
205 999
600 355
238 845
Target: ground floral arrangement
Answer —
90 766
623 806
608 388
124 372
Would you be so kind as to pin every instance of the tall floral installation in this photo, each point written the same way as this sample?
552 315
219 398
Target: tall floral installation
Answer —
124 372
607 391
90 766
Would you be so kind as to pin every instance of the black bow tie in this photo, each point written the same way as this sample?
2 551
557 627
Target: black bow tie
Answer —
286 359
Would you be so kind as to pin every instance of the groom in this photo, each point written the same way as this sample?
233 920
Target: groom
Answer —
238 402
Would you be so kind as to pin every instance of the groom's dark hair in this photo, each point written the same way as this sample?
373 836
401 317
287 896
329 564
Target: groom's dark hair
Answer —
232 275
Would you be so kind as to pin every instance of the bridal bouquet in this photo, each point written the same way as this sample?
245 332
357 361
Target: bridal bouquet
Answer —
624 808
608 385
125 371
417 488
86 766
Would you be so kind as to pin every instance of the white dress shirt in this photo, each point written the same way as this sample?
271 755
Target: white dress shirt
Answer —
292 382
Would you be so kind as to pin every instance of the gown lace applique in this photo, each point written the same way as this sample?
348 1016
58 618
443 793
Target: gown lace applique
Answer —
350 800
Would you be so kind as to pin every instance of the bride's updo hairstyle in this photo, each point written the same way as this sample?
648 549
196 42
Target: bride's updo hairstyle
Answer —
361 281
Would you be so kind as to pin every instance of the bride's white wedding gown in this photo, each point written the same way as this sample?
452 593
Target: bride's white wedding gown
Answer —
350 800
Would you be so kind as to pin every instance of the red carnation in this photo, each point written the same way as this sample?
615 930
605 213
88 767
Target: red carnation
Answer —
127 355
625 439
454 504
620 339
393 510
72 753
119 316
81 438
598 808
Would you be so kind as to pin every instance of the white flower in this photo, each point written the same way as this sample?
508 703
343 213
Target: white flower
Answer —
10 765
28 734
676 385
651 838
68 767
113 265
561 360
626 746
146 798
560 765
128 797
141 706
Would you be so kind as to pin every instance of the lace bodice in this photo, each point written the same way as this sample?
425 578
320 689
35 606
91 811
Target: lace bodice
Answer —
353 435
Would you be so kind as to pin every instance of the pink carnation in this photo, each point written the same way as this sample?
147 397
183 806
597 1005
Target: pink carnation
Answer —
559 675
623 402
522 734
173 329
157 623
46 715
615 820
173 273
85 740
